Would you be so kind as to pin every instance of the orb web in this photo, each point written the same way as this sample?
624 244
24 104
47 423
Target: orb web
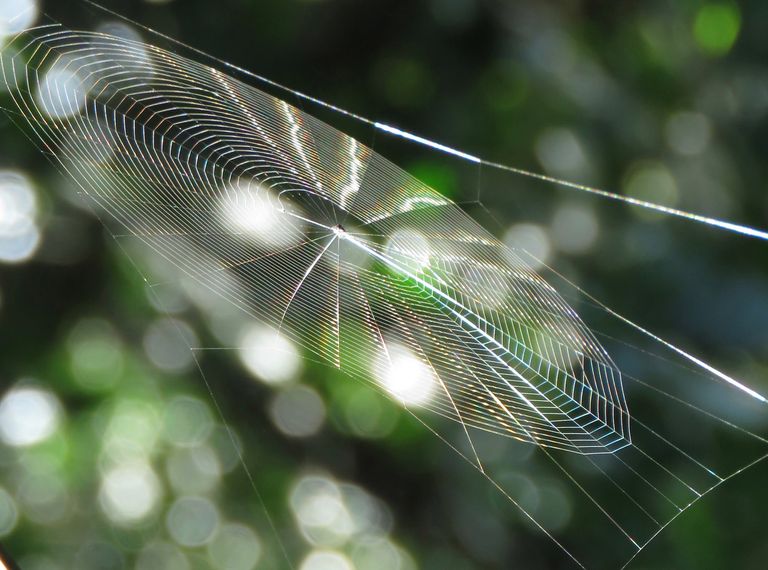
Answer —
371 271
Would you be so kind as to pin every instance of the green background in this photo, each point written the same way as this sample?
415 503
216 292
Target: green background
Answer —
524 83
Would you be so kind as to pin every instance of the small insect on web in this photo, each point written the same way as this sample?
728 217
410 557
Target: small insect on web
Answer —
382 277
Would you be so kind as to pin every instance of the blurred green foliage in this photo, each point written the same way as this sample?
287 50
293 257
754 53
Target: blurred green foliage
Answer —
660 100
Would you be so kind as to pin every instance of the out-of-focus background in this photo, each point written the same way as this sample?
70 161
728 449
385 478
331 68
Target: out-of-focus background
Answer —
113 452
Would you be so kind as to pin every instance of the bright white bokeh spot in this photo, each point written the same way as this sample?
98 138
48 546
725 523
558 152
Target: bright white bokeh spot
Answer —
16 16
298 411
330 514
255 213
534 242
269 355
17 201
28 415
19 235
129 493
21 246
168 344
407 377
326 560
688 133
409 247
192 521
574 228
9 513
61 93
319 508
235 547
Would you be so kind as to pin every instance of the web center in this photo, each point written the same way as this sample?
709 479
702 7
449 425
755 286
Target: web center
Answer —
339 230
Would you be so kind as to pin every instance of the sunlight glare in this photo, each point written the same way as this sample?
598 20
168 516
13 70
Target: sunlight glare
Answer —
28 415
254 212
326 560
409 380
16 16
62 93
129 492
268 355
19 235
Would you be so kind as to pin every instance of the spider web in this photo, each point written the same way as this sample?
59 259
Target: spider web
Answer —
377 274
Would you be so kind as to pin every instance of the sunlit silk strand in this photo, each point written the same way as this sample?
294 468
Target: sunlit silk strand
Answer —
483 392
714 222
729 226
688 356
543 348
